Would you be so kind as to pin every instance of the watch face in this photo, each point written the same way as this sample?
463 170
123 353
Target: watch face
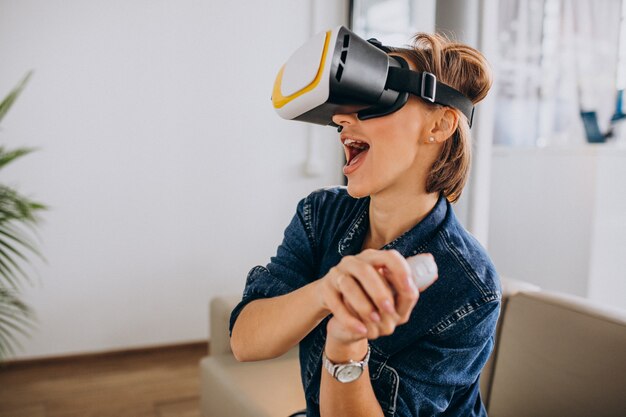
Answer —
349 373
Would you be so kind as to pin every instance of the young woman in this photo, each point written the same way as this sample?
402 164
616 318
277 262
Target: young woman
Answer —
340 285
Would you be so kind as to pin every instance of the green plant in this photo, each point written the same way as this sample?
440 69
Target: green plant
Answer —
18 217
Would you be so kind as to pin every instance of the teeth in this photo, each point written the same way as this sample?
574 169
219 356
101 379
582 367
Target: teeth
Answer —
355 144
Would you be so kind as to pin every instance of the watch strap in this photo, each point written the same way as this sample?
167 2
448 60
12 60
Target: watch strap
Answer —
333 367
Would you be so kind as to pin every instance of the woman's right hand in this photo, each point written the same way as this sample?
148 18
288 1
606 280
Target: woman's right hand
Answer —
370 293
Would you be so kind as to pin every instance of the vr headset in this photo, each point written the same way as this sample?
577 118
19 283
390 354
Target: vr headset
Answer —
339 72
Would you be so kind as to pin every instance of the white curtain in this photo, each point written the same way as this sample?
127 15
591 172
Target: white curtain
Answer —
557 57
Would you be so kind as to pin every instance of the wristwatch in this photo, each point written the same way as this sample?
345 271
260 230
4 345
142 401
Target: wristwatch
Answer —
346 372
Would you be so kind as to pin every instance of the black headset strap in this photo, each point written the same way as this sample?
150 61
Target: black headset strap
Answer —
426 86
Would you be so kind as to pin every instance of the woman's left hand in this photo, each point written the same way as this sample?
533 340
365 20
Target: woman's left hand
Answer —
343 344
340 334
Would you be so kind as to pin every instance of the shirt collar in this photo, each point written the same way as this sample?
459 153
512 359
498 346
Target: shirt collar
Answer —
408 244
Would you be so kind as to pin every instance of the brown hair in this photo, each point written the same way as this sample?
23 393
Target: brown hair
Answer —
465 69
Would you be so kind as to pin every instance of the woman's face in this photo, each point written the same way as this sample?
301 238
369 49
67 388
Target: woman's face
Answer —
391 152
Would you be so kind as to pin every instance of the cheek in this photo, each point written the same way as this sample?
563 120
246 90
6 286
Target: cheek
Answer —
397 138
405 125
394 155
397 144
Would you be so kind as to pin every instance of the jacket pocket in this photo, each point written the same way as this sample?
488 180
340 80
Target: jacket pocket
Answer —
385 382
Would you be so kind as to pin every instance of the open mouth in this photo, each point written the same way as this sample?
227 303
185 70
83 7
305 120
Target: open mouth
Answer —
356 149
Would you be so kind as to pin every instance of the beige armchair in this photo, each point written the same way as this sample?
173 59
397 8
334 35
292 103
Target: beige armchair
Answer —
556 355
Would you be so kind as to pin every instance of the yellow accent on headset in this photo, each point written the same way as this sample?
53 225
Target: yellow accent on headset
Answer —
278 100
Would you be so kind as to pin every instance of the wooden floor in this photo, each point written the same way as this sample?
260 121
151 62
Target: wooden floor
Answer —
160 382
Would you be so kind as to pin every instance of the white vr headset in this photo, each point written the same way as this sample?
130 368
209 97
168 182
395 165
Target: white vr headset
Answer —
339 72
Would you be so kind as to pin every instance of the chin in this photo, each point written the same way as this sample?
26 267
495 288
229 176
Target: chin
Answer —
357 191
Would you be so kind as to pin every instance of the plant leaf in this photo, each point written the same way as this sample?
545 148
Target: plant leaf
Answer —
7 325
6 349
14 206
7 273
14 265
6 157
10 247
16 237
18 216
13 95
15 316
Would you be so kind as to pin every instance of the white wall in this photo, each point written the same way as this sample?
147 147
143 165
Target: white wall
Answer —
540 217
167 172
558 219
607 264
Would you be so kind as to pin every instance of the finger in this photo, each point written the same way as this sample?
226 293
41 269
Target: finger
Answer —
398 273
355 296
394 316
337 330
396 267
373 328
388 325
384 326
340 311
406 302
370 280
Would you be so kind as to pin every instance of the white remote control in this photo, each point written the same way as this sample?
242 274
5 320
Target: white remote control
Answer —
424 270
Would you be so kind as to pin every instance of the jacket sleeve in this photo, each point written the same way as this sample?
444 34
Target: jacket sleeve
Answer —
292 267
438 376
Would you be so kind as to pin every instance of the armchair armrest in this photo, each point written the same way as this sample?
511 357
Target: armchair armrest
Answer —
219 318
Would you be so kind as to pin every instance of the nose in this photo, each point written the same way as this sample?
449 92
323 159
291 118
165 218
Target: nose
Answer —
344 119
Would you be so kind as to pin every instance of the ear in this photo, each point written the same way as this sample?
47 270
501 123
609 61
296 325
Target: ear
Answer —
445 124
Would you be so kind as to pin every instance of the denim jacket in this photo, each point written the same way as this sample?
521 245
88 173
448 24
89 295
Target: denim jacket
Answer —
428 366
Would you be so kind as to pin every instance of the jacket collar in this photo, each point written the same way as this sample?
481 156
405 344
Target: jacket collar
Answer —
412 242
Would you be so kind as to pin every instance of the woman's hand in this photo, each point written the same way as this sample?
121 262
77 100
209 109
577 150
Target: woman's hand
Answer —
369 294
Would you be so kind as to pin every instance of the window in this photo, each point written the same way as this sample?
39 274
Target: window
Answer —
558 60
393 22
